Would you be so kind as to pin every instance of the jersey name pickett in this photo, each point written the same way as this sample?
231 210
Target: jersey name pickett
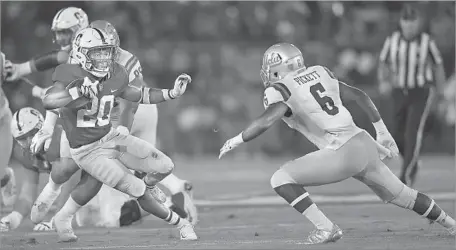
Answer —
301 80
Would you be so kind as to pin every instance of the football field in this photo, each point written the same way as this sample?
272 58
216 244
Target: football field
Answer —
239 210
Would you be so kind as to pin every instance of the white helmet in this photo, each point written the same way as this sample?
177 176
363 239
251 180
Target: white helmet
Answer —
66 23
279 60
25 124
94 51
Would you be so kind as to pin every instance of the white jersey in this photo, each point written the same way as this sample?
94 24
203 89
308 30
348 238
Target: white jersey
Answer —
316 109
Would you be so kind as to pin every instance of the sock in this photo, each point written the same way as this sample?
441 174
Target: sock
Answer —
53 186
174 219
15 219
427 208
70 208
172 183
299 199
4 180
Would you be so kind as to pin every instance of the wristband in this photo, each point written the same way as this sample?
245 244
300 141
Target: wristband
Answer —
238 139
74 93
167 95
380 126
145 95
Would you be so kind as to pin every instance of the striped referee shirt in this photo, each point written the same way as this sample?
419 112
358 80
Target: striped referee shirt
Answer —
411 61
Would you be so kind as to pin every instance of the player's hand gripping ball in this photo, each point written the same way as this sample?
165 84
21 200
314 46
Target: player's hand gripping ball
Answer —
180 85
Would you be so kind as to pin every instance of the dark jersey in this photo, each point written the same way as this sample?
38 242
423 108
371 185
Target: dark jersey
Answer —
91 122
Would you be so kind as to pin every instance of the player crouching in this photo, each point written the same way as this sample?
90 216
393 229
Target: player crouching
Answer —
25 123
309 100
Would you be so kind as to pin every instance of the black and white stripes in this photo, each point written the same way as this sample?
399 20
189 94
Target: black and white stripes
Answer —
410 60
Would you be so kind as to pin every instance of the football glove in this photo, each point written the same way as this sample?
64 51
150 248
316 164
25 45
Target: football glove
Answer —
41 141
231 144
180 85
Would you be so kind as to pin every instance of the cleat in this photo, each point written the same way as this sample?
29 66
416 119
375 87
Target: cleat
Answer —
452 230
45 226
43 204
9 190
187 232
157 193
5 226
183 204
64 229
320 236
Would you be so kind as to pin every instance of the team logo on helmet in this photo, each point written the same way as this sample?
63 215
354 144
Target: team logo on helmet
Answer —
273 59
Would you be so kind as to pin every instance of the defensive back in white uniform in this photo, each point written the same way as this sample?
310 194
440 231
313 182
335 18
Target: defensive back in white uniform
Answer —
310 101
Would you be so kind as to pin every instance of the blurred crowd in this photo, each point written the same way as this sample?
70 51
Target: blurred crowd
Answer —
221 45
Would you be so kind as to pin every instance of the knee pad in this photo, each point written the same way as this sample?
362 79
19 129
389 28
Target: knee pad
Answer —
132 186
281 177
406 198
165 167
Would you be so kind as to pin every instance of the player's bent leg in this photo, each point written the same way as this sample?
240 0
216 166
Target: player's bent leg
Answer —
62 171
318 168
391 190
137 188
23 204
142 156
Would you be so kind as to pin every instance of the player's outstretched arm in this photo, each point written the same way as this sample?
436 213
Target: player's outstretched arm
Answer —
273 113
147 95
349 93
39 63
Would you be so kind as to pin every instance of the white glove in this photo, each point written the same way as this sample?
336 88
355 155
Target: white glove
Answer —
231 144
385 139
15 71
41 141
45 226
88 88
180 85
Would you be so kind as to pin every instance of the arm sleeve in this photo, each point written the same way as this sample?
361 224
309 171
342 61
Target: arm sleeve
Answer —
49 60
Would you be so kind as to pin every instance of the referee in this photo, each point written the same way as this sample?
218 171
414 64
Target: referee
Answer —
411 70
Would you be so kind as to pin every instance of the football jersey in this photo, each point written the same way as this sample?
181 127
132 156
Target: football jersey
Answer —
315 107
90 123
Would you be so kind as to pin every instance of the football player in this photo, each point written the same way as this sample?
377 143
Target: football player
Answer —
7 178
25 124
144 125
309 100
85 94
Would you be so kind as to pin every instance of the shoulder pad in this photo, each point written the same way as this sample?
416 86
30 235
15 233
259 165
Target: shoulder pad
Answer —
282 89
325 70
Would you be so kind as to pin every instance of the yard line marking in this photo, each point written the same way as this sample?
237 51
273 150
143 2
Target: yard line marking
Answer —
321 199
151 230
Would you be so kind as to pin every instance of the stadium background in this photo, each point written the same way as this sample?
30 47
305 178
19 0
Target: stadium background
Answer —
221 44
